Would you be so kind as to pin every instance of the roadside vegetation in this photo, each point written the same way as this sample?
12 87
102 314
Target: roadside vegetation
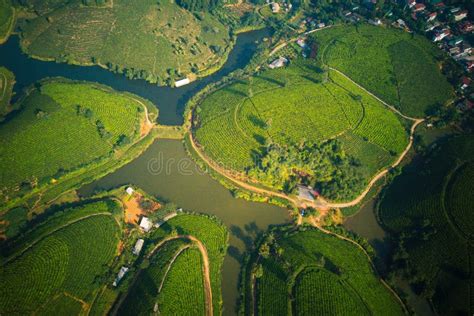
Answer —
58 266
307 271
172 278
7 81
401 69
158 41
7 19
270 125
62 130
429 210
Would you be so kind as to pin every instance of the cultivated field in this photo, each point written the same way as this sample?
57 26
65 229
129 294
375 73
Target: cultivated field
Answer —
174 282
310 272
429 207
55 267
64 127
7 80
7 19
153 40
401 69
287 106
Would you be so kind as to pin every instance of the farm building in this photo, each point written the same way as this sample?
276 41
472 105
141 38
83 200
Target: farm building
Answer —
120 275
305 193
138 247
182 82
278 63
275 7
129 190
146 224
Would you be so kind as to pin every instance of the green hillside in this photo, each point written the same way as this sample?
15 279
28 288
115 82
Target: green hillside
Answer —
300 103
429 208
401 69
53 268
153 40
64 127
308 272
172 279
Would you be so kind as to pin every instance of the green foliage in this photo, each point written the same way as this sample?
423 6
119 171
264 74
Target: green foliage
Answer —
183 290
157 41
322 291
427 207
7 17
7 80
46 138
324 166
292 105
60 268
144 294
322 274
400 69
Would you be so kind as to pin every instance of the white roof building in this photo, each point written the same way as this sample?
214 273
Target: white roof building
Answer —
129 190
146 224
277 63
182 82
138 247
120 275
275 7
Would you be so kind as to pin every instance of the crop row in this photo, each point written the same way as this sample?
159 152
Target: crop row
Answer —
62 262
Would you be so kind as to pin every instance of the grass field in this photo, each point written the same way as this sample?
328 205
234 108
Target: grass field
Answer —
7 80
7 19
312 273
182 292
57 266
293 104
401 69
64 127
153 40
428 207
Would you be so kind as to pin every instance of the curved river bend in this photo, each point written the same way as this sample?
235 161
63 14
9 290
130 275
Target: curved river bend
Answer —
179 179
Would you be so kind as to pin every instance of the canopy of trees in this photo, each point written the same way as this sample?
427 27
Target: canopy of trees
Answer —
325 166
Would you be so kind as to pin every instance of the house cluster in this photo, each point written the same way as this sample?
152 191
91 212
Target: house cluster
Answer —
447 26
310 23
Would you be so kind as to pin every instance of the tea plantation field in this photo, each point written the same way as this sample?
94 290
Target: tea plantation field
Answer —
64 127
401 69
297 103
7 19
178 289
153 40
429 207
55 267
311 273
7 80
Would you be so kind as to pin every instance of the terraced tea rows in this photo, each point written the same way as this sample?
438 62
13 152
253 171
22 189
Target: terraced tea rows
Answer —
64 126
183 290
427 220
177 267
322 291
155 41
325 276
401 69
287 106
61 268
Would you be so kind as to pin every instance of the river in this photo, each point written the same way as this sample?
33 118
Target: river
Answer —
166 171
180 181
170 101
